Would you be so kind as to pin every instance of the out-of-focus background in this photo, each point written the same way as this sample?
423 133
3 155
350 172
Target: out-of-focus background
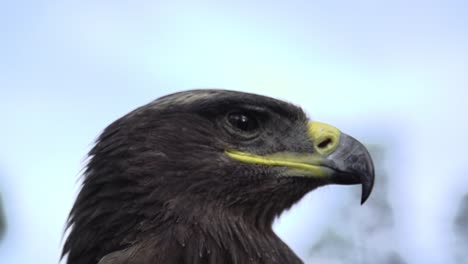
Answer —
391 73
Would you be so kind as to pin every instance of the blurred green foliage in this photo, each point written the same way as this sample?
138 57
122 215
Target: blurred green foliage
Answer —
461 231
2 220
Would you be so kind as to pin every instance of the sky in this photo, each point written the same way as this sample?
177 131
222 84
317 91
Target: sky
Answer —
391 73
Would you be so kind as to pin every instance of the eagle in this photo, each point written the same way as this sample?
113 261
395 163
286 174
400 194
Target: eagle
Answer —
199 176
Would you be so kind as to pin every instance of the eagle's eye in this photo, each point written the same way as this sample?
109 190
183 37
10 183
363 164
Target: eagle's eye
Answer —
244 122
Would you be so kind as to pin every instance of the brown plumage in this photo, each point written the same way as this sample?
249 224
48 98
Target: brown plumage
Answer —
159 187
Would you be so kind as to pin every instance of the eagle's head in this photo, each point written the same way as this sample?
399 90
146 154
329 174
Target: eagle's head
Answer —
209 157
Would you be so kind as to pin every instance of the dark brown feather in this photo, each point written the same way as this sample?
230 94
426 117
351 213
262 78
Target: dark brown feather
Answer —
158 187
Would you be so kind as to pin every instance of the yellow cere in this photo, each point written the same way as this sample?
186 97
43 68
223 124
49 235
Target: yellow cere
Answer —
321 132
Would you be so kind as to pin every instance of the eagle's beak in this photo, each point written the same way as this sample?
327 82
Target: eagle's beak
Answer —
348 160
337 159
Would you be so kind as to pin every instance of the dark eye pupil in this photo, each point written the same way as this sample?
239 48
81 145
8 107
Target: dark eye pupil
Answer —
242 121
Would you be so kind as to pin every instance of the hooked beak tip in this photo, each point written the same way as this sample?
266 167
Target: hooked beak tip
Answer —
354 165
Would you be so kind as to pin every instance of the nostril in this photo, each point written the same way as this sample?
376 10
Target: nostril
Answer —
325 143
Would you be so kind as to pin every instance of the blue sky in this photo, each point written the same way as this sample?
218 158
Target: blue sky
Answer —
391 73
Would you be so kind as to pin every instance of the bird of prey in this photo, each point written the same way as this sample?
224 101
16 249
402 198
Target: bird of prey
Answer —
199 176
